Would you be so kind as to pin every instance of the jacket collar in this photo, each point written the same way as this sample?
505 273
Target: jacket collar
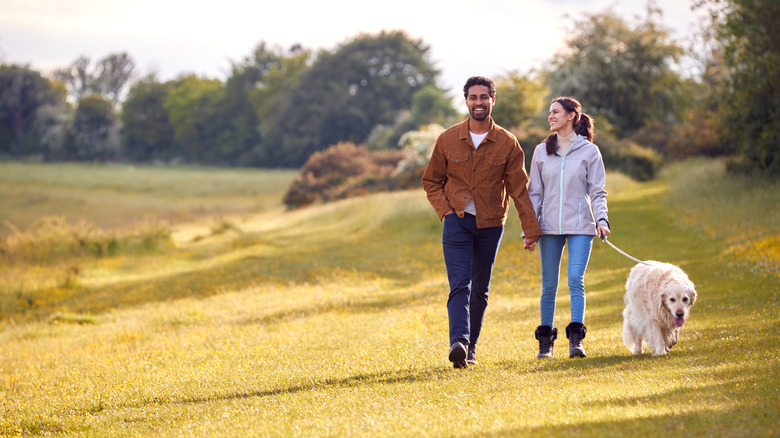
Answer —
463 131
578 142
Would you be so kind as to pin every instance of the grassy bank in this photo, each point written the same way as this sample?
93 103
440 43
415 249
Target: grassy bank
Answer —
116 196
331 321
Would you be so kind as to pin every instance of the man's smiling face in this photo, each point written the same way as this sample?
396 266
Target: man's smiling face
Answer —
479 102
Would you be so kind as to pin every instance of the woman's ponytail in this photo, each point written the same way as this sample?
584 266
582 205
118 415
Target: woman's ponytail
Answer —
585 127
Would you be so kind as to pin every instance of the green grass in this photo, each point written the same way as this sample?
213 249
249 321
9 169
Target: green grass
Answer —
116 196
331 321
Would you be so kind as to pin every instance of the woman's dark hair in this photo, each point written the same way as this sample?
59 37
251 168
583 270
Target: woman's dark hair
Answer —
583 123
479 80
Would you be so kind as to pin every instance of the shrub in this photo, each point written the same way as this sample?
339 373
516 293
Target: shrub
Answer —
343 170
638 162
417 147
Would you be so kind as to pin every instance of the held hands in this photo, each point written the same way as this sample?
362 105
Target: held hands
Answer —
529 243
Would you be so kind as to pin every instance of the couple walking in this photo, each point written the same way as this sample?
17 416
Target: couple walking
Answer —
475 168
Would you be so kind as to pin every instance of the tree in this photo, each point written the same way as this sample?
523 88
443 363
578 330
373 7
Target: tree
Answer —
108 78
344 94
623 73
76 77
431 104
112 76
518 99
750 99
95 134
33 112
147 133
190 106
280 75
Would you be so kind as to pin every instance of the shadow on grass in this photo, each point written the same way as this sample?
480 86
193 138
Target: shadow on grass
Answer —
440 373
354 381
754 421
563 363
252 271
716 412
394 301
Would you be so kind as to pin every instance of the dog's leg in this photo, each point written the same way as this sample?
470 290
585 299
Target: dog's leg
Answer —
671 338
631 338
655 337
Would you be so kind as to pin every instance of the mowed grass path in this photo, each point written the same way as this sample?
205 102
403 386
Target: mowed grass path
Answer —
331 321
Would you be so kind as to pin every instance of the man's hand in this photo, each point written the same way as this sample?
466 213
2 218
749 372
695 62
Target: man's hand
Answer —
529 243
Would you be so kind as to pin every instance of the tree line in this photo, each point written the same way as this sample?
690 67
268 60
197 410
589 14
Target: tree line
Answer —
278 106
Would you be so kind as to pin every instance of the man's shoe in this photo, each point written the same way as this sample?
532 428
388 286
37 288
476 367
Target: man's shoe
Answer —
471 358
458 353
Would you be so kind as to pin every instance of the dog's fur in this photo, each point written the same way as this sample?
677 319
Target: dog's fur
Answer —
656 294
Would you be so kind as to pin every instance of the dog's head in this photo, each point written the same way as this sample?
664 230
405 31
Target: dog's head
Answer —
677 297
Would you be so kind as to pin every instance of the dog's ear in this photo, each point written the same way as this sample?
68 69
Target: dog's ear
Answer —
693 297
661 299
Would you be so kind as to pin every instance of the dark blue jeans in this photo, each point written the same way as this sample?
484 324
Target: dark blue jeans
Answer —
469 253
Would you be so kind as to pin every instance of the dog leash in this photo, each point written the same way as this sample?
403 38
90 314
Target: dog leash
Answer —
604 239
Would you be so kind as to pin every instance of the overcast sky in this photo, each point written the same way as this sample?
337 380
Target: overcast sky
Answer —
172 37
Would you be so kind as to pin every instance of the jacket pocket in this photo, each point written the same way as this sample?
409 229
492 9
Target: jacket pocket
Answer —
496 166
495 160
457 158
458 166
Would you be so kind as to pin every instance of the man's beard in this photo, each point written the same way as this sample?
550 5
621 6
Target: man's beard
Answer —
482 117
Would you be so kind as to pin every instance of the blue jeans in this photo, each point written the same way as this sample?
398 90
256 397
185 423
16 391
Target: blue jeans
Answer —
551 250
469 253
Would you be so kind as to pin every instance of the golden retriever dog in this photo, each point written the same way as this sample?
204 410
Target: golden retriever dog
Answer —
659 297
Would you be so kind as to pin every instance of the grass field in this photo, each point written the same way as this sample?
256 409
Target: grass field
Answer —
112 196
331 321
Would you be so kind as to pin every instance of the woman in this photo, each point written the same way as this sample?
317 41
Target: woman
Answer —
568 196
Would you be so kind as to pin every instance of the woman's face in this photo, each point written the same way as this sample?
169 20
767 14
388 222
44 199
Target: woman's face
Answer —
559 118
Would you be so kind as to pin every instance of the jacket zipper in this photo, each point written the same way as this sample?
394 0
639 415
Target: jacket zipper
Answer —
560 207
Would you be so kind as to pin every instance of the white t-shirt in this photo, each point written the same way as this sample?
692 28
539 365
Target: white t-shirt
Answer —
476 139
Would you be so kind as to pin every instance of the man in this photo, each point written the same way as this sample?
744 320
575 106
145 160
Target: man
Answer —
476 166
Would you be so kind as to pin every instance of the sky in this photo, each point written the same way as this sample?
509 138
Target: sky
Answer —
175 37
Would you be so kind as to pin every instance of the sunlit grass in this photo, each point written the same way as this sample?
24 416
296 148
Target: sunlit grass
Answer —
743 212
331 321
116 196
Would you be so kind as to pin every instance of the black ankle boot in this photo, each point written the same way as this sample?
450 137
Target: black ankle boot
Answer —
576 333
546 336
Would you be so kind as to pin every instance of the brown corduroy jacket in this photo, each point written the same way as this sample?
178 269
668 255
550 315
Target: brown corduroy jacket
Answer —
491 174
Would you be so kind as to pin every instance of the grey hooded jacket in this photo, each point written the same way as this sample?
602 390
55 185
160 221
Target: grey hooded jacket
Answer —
567 192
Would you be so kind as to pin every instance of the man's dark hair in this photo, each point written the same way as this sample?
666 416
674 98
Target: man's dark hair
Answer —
479 80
